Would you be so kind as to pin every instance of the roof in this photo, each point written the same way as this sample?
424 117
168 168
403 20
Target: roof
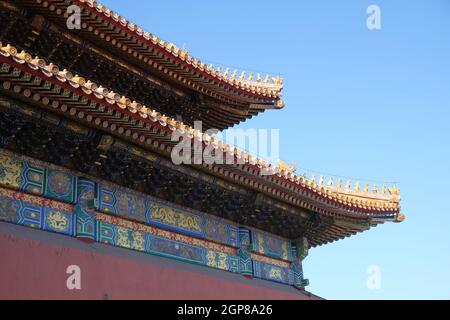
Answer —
374 205
249 84
246 93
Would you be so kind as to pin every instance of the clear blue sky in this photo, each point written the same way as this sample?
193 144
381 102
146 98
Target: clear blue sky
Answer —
359 103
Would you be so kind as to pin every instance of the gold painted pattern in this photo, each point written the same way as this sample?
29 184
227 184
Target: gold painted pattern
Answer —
122 237
279 263
57 220
217 260
163 233
10 171
36 200
261 243
285 250
8 208
275 273
174 217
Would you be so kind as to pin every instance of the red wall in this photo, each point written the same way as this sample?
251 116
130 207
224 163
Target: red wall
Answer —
33 269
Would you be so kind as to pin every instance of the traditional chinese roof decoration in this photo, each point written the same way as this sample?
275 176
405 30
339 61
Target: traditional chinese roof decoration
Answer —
340 199
243 94
267 87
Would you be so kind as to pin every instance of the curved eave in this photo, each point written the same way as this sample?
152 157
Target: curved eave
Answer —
298 191
164 57
341 229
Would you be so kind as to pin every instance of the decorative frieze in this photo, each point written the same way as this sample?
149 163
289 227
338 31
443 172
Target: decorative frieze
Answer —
154 244
21 173
272 272
50 198
36 212
271 245
132 205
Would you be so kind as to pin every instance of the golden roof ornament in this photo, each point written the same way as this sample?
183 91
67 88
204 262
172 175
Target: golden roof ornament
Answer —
8 50
272 86
321 179
183 54
400 218
375 188
330 182
283 166
348 185
100 92
23 57
280 104
394 191
277 81
366 188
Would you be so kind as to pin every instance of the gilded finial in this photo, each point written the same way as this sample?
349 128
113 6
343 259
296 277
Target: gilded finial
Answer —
282 165
277 81
366 188
267 79
339 184
330 182
258 77
357 186
383 189
375 188
394 191
313 179
400 218
23 56
183 54
348 185
286 167
234 75
242 77
227 71
250 77
321 180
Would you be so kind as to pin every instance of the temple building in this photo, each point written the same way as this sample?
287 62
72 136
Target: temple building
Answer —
88 187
